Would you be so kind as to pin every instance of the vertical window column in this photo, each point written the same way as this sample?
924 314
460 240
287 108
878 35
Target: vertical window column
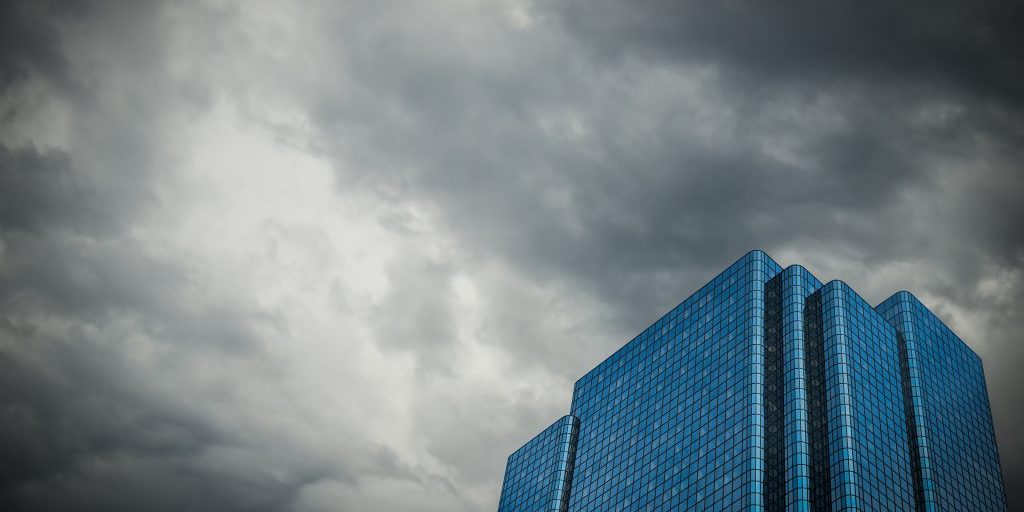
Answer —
797 283
568 434
842 457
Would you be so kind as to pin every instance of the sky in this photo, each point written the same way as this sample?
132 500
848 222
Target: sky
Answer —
349 255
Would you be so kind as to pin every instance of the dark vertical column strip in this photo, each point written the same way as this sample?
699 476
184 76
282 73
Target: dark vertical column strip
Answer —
814 343
775 451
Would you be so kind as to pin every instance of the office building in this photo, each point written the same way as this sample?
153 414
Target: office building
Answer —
767 390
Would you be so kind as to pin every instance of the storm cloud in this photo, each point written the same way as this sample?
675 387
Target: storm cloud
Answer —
350 255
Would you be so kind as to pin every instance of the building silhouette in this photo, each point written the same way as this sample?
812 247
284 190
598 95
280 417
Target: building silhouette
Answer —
768 390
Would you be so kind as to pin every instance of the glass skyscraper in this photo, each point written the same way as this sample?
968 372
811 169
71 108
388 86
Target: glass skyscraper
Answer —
768 390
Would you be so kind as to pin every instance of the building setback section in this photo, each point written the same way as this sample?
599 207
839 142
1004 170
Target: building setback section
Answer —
538 475
766 390
947 406
869 462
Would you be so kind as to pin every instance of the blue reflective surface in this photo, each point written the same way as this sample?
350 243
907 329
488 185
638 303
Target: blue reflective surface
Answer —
949 413
538 475
766 390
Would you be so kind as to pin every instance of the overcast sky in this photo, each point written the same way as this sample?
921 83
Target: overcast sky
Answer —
349 255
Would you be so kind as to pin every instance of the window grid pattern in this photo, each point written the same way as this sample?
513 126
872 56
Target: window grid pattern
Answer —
957 455
869 455
774 396
674 420
821 478
842 460
913 400
788 478
766 390
538 475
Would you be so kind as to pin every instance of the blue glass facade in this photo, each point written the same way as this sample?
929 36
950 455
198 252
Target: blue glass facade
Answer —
767 390
787 394
868 448
538 475
946 403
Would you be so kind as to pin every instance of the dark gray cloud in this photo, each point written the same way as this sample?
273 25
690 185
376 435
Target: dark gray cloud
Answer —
261 258
31 44
39 188
968 47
